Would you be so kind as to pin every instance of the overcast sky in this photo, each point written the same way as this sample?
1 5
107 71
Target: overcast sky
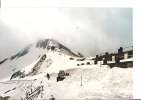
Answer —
87 30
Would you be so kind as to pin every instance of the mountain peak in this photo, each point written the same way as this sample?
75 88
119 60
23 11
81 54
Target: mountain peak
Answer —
52 44
47 43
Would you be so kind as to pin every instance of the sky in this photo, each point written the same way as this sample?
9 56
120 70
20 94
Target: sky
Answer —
90 31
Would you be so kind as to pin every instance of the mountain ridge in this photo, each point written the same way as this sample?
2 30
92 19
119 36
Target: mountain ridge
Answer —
31 53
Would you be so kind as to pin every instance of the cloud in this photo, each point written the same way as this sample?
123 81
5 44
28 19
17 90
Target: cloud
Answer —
9 43
88 30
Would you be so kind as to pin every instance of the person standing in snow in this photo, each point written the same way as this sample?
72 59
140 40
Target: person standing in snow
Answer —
52 98
48 76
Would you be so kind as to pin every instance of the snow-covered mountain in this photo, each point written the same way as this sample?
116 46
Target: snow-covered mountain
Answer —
31 54
83 79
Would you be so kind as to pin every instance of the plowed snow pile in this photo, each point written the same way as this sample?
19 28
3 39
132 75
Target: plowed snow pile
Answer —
97 83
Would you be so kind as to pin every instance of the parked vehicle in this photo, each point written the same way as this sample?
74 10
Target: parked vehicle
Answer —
61 75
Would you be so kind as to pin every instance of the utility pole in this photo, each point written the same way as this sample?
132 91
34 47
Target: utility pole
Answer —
81 79
41 89
100 63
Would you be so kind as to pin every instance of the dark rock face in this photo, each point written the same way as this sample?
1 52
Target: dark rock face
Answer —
48 44
17 74
42 43
4 98
51 44
38 65
1 62
21 53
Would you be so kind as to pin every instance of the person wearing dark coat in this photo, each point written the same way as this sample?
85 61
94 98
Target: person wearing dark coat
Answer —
52 98
48 76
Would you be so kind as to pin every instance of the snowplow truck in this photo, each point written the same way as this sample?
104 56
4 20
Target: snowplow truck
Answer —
61 75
